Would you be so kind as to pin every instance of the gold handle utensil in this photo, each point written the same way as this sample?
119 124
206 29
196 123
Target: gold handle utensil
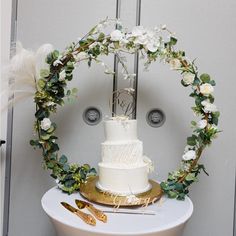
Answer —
87 218
96 212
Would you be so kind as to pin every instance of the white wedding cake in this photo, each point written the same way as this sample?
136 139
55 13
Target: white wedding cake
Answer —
124 169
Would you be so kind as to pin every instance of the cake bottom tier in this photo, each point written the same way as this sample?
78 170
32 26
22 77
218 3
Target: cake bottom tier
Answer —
123 180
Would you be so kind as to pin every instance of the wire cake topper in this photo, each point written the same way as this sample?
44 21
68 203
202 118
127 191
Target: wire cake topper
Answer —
125 100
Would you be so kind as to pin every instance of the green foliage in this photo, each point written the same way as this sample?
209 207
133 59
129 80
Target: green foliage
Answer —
205 78
215 117
41 113
44 73
63 159
191 141
51 57
173 41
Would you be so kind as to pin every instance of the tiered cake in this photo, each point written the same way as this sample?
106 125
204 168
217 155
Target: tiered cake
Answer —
122 170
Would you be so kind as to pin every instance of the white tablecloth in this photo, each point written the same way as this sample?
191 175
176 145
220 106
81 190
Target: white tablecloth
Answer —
170 217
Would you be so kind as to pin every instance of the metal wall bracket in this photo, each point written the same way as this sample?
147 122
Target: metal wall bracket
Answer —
156 118
92 116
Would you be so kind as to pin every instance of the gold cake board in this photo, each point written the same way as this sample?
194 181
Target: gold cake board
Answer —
92 193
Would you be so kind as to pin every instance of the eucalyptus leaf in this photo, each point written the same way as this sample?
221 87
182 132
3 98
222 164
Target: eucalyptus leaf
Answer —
63 159
66 167
173 41
44 73
172 194
191 177
41 83
74 91
205 78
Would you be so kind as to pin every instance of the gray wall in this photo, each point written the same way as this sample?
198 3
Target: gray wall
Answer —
206 31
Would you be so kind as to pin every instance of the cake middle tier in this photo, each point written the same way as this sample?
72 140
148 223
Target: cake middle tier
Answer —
128 152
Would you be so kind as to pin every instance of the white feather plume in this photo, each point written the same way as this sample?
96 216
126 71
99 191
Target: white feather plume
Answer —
22 73
22 65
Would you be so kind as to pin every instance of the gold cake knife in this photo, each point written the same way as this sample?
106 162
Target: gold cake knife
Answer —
87 218
96 212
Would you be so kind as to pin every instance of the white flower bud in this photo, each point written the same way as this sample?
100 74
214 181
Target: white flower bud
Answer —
208 107
189 155
163 27
202 124
116 35
45 124
138 31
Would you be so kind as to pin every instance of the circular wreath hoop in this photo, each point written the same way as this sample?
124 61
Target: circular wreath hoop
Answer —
52 90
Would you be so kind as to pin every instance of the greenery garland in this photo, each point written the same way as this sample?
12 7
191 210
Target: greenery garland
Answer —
52 91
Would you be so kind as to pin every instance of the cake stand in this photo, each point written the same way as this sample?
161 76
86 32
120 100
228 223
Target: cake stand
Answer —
90 191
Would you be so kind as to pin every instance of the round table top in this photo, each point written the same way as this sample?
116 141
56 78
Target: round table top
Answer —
169 213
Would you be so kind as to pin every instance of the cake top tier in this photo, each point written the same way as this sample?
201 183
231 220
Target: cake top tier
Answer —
120 130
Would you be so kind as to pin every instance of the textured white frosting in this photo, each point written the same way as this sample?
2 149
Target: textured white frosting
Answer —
125 153
120 130
122 170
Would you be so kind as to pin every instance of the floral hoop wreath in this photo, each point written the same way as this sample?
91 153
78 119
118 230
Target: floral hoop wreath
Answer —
51 90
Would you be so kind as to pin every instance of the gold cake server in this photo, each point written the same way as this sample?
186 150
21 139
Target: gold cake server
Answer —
87 218
96 212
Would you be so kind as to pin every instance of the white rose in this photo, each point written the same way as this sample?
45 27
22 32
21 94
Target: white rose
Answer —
188 78
189 155
175 64
45 124
152 46
116 35
142 39
138 31
202 124
208 107
206 89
